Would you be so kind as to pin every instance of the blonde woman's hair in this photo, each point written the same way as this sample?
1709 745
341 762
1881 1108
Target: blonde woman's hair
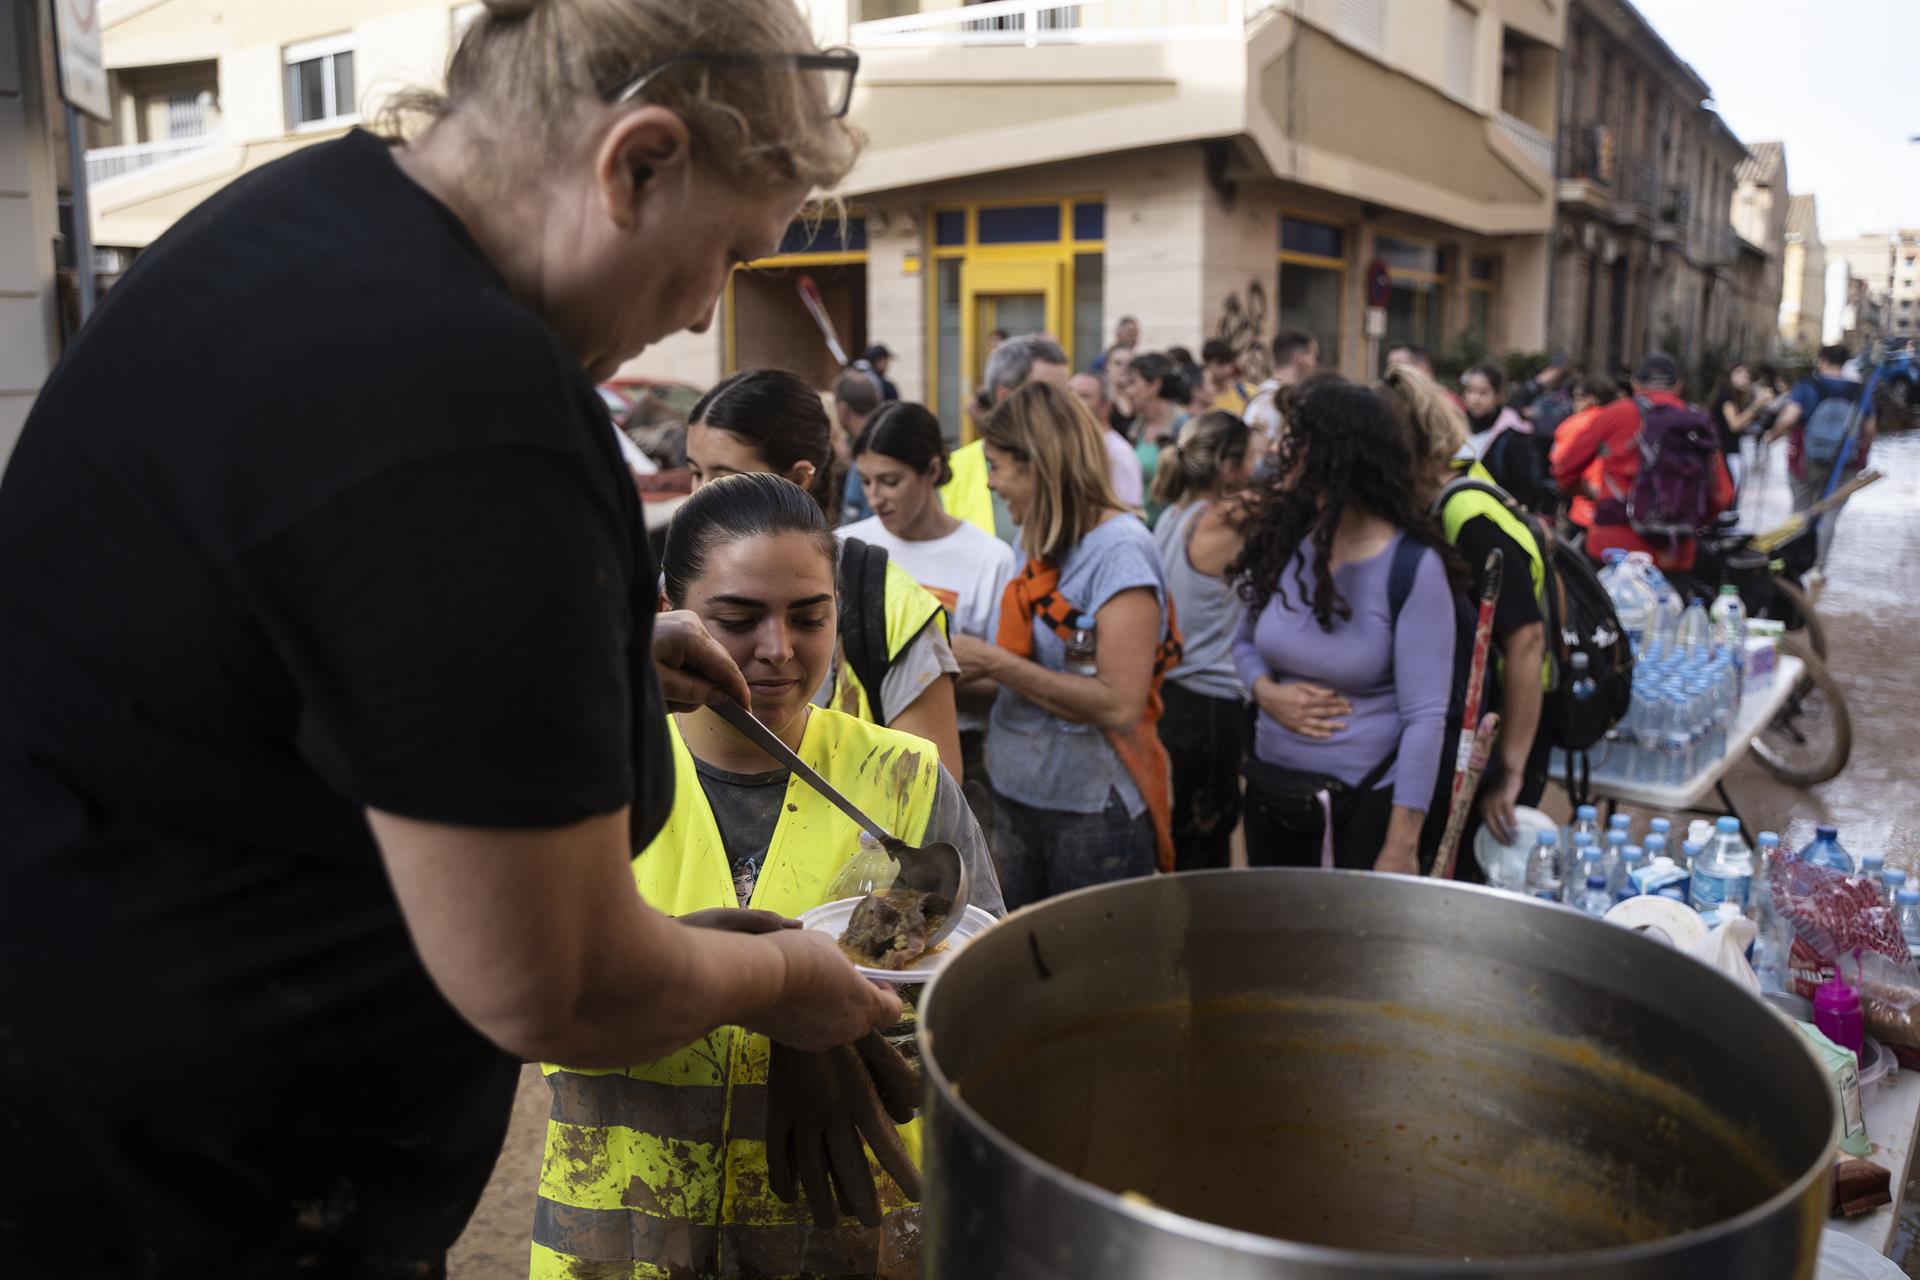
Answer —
1051 431
525 70
1208 443
1437 430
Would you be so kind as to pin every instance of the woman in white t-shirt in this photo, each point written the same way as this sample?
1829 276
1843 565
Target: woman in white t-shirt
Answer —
901 459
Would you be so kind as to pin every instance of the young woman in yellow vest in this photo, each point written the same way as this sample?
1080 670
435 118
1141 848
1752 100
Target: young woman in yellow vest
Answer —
893 665
1476 522
661 1169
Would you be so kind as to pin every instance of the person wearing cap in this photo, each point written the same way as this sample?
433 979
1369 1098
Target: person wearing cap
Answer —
1610 437
877 358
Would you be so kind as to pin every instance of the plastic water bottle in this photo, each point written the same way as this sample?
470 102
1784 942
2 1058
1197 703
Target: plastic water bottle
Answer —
1906 914
1586 822
1773 932
1652 726
1573 865
1543 867
1611 855
1656 844
1873 868
1595 900
1586 868
1676 742
1895 879
1633 601
1826 851
1723 873
1662 827
1729 621
1082 647
1690 851
1695 636
1632 858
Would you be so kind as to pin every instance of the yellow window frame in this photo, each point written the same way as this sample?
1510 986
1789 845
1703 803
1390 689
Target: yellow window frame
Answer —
1061 252
1293 257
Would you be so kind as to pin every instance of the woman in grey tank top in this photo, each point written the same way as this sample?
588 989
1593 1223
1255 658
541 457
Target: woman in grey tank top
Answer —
1204 724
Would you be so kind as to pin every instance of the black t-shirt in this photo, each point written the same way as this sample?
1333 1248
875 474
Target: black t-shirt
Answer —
313 517
1729 439
1515 606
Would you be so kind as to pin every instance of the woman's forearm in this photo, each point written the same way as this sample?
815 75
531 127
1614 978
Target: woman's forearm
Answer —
1521 651
1075 699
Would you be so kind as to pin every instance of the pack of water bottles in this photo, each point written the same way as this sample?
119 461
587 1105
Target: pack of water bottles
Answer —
1687 678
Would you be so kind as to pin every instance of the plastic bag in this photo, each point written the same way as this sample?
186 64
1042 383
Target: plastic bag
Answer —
1833 915
1890 999
1725 948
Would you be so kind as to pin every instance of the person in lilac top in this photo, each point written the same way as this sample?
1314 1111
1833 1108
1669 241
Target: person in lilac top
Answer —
1352 698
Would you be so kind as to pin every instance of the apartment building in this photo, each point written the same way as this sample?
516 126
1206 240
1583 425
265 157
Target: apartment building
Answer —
1886 264
1219 167
29 303
1644 254
1803 284
206 90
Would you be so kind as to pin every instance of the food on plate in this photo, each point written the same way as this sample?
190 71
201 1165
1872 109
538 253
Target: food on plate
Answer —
890 928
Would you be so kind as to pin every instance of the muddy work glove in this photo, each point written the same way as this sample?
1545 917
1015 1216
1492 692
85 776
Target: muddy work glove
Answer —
819 1107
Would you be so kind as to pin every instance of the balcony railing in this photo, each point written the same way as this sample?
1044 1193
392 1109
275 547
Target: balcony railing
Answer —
1537 146
1586 154
1037 22
104 164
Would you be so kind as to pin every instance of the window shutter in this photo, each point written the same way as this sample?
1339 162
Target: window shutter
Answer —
1462 26
1364 23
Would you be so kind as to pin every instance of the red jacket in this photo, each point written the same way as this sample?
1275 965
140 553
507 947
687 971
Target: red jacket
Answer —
1608 437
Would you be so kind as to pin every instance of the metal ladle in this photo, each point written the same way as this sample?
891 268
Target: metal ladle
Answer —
932 868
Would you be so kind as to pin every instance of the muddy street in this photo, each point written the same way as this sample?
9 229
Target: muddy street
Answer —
1871 604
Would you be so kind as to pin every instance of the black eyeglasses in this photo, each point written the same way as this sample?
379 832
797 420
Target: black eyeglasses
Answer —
836 68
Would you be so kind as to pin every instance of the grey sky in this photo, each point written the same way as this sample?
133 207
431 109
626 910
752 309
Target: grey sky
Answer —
1837 80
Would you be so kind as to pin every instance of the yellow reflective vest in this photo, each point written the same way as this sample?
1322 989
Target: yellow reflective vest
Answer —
910 608
660 1170
1466 504
966 496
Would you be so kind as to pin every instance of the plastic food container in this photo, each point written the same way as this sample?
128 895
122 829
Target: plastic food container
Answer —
831 918
1505 865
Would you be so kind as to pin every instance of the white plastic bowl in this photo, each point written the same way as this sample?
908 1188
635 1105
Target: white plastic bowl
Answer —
831 918
1505 865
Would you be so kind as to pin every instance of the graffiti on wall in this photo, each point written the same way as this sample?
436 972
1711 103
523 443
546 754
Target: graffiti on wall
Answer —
1243 326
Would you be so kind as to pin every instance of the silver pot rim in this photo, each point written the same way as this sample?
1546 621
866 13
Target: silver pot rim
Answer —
1269 1247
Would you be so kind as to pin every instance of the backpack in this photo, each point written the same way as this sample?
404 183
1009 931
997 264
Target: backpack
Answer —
863 618
1827 430
1579 618
1673 489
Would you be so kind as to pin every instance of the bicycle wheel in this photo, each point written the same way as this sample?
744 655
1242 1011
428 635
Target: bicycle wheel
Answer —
1811 735
1798 613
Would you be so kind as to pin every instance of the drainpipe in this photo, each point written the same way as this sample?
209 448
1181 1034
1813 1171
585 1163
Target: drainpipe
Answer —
1553 175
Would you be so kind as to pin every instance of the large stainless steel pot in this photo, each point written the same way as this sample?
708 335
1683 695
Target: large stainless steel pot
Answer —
1325 1074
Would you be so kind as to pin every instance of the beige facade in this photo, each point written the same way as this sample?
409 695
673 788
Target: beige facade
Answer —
1803 286
1231 174
1245 161
205 90
1759 217
29 305
1644 254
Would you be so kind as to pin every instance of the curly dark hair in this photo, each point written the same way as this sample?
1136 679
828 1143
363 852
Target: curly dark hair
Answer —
1342 446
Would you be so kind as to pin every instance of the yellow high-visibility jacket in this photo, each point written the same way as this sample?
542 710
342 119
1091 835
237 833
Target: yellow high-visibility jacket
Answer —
966 496
660 1169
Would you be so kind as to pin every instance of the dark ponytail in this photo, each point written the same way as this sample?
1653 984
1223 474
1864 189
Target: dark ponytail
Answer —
749 505
782 418
908 433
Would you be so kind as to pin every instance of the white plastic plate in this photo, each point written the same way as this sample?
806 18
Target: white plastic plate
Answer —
831 919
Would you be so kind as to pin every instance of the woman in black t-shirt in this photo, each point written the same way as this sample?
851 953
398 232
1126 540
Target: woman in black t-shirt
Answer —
1734 406
1517 771
329 734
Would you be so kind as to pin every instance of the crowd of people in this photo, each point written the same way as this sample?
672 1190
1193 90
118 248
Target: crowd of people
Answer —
1242 606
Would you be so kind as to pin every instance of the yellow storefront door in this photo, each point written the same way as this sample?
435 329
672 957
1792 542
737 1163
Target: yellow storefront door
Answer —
1018 295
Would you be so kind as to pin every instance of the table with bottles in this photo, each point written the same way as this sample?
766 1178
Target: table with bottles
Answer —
1700 773
1892 1108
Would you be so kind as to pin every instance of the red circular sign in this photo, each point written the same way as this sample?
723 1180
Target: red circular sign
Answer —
1379 283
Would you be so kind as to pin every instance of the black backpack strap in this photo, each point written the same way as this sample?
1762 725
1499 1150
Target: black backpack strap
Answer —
1406 563
863 618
